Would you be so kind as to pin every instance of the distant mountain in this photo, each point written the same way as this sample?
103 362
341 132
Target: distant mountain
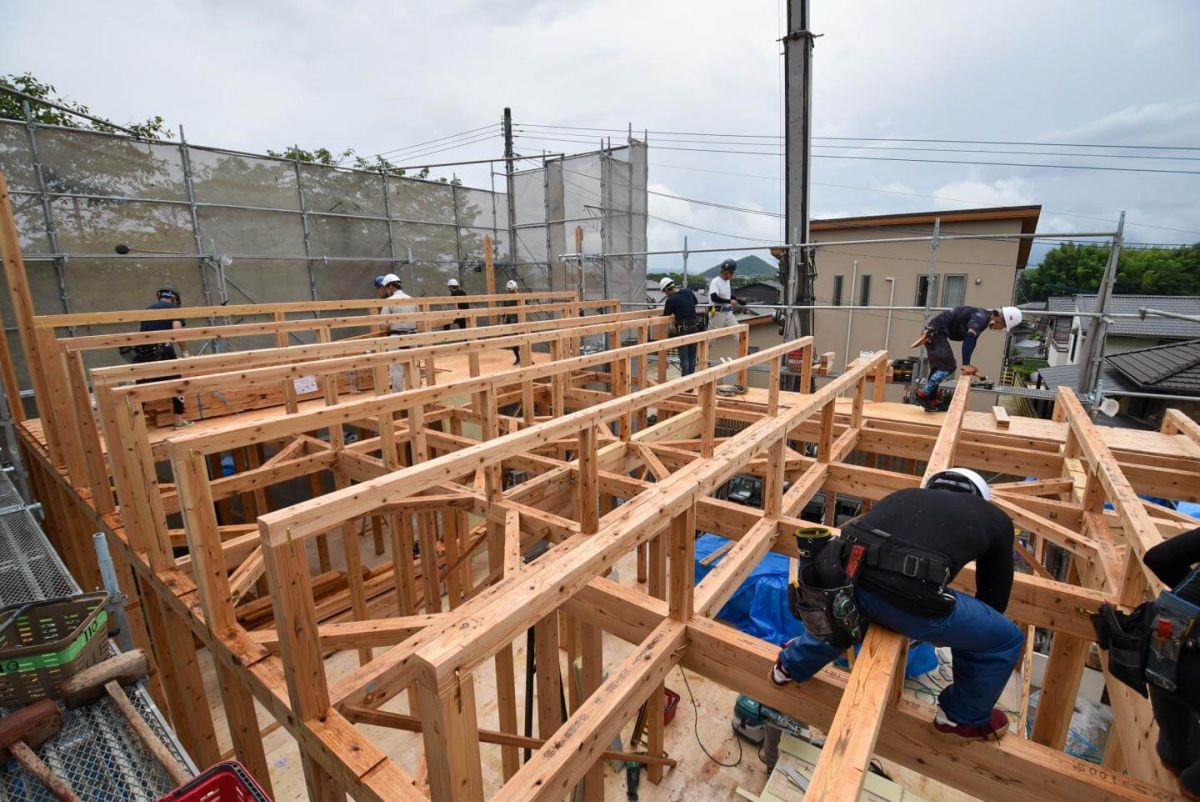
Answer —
748 266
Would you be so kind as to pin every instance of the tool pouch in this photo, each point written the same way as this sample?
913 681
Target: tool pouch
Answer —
823 600
1126 638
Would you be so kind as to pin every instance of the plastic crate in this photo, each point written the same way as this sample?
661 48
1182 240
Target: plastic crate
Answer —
45 642
224 782
671 704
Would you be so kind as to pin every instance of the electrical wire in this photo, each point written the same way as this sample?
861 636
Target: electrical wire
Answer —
423 154
1128 223
696 728
419 145
974 163
880 139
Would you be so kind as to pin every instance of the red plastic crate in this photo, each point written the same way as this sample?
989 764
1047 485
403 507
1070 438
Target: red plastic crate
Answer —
670 706
224 782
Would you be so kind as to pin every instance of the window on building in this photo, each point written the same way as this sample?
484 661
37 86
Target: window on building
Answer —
924 293
954 291
864 293
837 290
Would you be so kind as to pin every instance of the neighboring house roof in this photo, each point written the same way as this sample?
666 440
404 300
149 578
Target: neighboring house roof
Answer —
1068 376
1033 306
1157 327
1171 369
1027 215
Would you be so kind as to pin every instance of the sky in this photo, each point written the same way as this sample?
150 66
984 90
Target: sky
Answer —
384 76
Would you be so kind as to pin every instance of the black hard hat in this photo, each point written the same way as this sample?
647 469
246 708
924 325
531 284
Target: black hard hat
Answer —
729 264
170 292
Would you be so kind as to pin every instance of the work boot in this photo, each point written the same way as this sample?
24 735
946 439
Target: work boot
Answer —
779 674
996 727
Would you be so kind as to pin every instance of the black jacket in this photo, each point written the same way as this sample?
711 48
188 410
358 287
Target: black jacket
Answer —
959 526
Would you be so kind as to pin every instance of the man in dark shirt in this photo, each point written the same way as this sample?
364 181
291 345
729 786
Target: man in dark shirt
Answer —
457 291
917 542
511 288
166 298
1178 713
682 304
962 324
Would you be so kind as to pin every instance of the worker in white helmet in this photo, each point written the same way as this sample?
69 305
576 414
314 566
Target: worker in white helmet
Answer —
962 324
893 566
454 289
512 288
390 289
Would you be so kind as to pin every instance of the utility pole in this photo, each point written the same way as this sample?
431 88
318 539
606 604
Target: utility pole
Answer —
508 175
797 60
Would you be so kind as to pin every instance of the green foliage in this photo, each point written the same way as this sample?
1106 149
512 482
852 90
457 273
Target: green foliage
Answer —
1072 268
12 108
694 282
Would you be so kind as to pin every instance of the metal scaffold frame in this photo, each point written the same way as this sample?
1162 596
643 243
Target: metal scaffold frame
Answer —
437 439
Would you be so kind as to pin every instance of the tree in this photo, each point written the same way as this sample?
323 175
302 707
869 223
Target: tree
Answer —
12 108
1072 268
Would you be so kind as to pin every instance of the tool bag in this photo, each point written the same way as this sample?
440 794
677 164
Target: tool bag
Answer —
823 598
691 325
1126 637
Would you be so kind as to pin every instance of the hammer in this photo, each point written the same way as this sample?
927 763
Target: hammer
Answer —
27 728
125 669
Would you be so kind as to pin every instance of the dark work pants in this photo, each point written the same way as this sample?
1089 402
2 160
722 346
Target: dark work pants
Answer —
941 362
162 353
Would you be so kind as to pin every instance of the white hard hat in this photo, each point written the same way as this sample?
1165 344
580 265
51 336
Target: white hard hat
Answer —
511 285
961 479
452 282
666 283
1012 317
390 278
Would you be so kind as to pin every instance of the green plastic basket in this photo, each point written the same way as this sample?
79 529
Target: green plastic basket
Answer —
45 642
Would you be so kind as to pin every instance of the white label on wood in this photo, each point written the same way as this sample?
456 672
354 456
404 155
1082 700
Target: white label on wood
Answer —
305 384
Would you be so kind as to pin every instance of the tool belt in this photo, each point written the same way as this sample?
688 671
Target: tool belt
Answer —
886 552
153 353
823 596
690 325
1146 646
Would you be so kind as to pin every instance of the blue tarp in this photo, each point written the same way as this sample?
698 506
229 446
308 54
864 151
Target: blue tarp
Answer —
759 607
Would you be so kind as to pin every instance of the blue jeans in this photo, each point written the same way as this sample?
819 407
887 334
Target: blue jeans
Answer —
936 378
687 359
984 645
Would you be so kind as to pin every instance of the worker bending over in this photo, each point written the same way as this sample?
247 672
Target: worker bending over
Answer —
892 566
962 324
389 287
457 292
720 295
681 303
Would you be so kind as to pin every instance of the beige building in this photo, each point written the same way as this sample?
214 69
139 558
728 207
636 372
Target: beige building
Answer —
975 272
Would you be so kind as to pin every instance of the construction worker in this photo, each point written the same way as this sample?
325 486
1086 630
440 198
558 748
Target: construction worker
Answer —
720 295
892 566
512 288
1156 648
165 298
390 288
682 304
457 291
1176 562
962 324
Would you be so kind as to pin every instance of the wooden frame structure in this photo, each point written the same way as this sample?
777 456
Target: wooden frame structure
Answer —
590 453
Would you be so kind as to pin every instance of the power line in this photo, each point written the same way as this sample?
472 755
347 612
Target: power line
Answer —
424 153
419 145
914 160
714 204
881 139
